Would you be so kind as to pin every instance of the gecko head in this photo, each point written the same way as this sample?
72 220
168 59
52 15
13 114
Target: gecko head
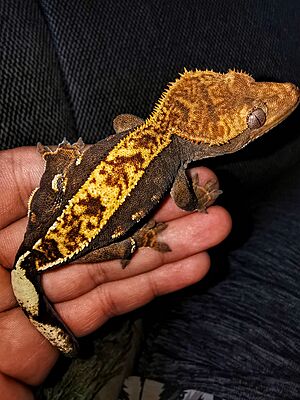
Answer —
214 108
274 102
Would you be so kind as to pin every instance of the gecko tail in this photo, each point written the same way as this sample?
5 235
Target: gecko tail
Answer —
51 326
29 294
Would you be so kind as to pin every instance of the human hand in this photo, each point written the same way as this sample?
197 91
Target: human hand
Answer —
87 295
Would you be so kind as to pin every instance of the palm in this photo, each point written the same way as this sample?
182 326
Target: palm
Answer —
87 295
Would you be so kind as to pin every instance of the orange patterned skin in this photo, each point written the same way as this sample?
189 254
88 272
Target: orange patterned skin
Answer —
93 204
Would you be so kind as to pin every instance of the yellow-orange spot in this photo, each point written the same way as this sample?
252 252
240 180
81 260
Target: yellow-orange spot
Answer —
133 246
30 200
138 215
117 232
78 160
155 198
57 178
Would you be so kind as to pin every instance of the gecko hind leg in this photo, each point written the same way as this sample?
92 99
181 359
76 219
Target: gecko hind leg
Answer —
147 236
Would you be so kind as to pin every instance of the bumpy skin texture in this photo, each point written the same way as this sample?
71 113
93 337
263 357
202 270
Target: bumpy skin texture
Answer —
95 204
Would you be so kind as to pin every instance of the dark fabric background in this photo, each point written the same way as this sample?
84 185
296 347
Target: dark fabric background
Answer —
68 67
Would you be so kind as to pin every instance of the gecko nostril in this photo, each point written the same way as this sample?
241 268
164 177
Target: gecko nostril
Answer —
256 118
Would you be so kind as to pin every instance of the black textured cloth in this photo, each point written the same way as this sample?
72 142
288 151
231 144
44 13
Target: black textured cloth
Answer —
67 68
236 333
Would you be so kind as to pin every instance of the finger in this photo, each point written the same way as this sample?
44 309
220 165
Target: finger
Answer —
21 170
88 312
198 232
14 390
10 239
23 346
7 298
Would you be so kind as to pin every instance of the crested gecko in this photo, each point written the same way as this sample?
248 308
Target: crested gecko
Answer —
95 203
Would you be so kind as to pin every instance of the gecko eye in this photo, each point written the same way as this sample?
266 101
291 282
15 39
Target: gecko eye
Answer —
256 118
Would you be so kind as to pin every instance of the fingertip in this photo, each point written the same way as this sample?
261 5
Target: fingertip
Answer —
12 389
205 264
204 175
21 170
222 219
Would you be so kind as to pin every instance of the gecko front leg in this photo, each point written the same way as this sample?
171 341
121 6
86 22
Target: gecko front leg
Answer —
189 195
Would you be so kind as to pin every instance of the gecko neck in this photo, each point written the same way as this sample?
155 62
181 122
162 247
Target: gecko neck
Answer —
191 151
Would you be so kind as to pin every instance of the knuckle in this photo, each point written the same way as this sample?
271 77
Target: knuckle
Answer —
108 304
154 287
97 274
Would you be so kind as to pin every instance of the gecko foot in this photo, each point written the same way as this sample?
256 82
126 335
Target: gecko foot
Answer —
147 236
207 194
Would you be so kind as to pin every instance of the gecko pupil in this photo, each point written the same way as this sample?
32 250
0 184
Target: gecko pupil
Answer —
256 118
